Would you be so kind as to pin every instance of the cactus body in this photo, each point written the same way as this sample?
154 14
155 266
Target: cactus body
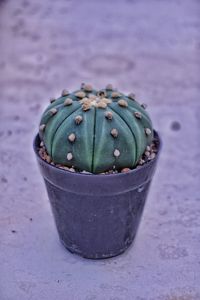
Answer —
96 131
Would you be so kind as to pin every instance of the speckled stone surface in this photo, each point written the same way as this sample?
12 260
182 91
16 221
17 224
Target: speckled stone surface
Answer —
150 48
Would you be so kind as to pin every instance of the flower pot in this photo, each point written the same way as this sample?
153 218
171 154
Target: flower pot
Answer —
97 216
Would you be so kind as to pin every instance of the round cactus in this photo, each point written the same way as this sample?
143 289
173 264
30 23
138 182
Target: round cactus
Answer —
95 130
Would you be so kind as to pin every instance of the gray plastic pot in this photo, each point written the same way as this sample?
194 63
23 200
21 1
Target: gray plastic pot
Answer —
97 216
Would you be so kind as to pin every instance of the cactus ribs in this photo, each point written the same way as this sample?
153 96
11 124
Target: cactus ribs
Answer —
96 131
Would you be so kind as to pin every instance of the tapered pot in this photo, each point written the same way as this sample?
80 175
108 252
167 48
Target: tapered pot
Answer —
97 216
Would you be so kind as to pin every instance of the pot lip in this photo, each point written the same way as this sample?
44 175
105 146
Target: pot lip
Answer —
156 134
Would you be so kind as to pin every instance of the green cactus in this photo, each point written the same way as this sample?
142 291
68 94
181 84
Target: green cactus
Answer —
95 130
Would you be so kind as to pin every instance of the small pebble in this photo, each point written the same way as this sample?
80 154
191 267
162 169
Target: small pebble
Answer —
148 148
125 170
85 172
147 153
48 158
152 156
141 162
154 148
63 167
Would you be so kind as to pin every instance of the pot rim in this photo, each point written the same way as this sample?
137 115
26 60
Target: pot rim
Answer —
138 168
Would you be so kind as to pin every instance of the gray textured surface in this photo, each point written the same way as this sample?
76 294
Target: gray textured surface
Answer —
149 47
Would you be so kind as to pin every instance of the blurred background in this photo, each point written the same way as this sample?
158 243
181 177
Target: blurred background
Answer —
150 48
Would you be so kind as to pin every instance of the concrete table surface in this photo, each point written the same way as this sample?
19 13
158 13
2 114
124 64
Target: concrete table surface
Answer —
150 48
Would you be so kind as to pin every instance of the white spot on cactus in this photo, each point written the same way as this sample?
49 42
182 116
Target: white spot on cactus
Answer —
122 103
114 132
78 119
116 153
115 95
109 115
138 115
131 96
147 131
143 105
80 94
52 100
72 137
68 102
65 93
92 96
101 104
86 104
88 88
42 127
69 156
82 85
109 87
53 111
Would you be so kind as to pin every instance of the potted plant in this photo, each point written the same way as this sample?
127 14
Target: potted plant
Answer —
97 152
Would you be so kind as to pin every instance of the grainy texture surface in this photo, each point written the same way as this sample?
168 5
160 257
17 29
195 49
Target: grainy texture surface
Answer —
148 47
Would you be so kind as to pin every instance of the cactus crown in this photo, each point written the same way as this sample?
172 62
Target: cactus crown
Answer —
95 130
